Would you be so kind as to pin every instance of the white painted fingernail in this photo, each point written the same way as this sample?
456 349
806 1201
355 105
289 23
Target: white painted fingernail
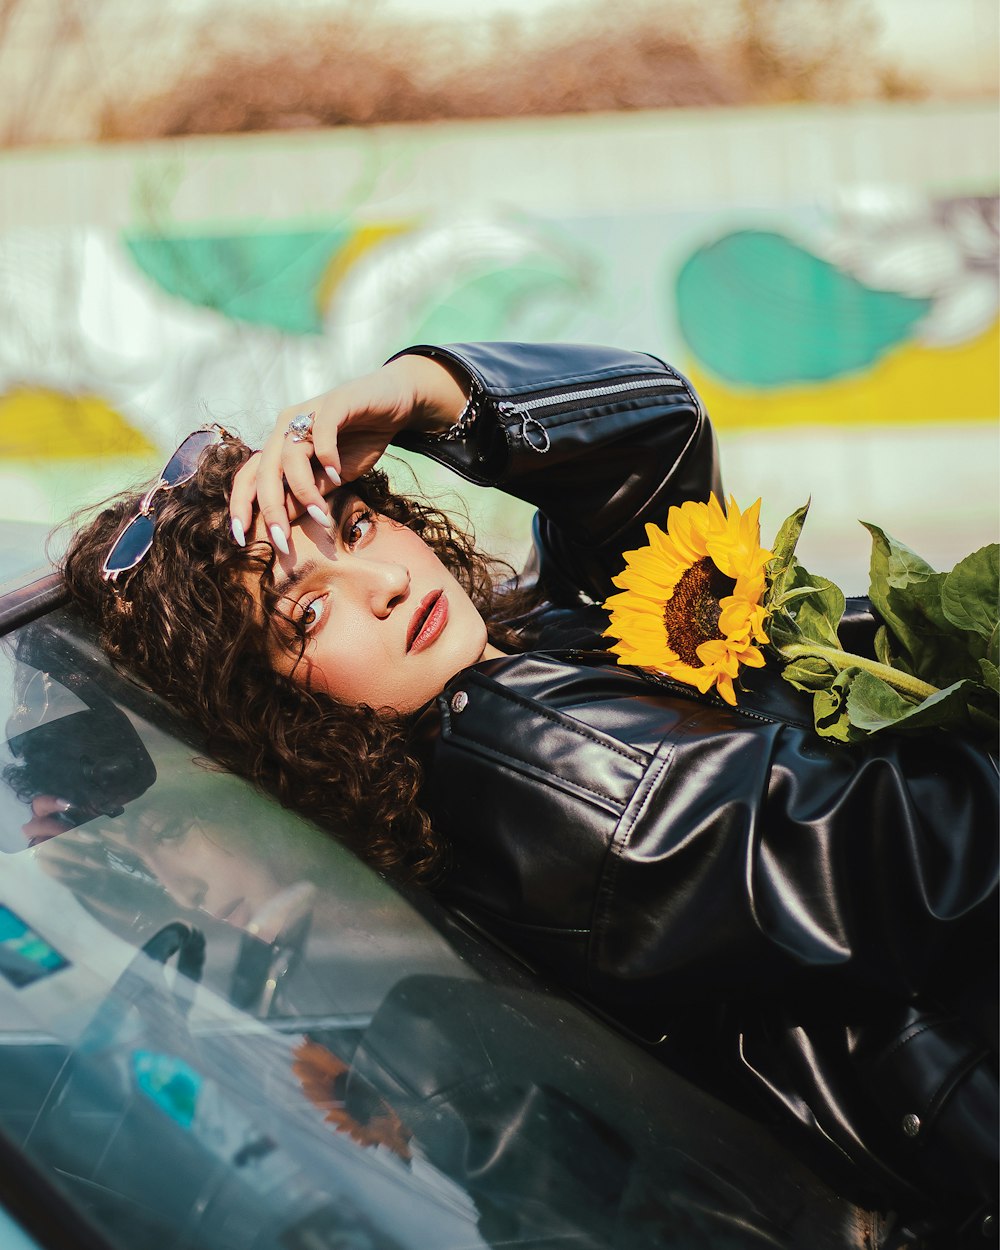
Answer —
318 515
238 533
279 539
332 474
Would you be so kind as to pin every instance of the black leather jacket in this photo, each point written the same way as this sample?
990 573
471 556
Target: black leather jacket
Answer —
807 927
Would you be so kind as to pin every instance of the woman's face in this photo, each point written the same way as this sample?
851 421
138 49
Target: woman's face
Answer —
383 621
192 861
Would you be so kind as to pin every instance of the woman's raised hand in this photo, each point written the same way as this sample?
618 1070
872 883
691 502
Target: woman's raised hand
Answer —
351 427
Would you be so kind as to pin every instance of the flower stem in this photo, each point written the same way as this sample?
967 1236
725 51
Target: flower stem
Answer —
845 659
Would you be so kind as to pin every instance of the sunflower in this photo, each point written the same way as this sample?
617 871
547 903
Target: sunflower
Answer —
691 605
323 1077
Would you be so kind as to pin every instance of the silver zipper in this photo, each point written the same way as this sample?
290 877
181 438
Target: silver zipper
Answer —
532 429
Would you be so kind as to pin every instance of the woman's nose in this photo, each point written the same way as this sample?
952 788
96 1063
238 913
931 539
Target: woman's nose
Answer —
389 585
186 888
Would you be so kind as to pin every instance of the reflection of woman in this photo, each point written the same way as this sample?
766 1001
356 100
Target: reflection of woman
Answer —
803 918
89 781
191 835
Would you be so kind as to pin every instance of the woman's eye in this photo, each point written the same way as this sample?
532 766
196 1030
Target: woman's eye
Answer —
312 614
359 527
171 832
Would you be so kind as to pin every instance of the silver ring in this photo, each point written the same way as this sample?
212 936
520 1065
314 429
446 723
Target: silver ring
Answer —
300 427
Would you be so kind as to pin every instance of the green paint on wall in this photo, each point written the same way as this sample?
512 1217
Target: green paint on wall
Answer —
759 310
532 300
266 279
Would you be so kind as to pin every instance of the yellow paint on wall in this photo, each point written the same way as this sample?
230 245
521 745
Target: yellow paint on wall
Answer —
911 384
38 424
361 241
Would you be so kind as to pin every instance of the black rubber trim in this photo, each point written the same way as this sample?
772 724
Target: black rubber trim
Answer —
27 603
40 1207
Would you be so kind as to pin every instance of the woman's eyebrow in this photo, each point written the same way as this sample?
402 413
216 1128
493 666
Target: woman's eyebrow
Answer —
340 501
285 586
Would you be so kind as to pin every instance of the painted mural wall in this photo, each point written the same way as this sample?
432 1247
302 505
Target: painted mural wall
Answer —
832 292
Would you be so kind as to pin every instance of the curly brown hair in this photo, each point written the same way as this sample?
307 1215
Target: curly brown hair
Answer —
188 625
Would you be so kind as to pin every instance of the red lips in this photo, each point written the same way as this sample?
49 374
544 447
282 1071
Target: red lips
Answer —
427 622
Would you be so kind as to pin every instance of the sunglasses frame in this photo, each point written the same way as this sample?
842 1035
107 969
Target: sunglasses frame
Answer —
109 573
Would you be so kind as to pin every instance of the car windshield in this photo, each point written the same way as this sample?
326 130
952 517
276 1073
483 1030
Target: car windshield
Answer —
219 1029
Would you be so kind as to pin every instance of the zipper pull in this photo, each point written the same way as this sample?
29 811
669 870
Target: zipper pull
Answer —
533 432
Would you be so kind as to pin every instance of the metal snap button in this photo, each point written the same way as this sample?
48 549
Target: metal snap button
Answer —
911 1124
459 701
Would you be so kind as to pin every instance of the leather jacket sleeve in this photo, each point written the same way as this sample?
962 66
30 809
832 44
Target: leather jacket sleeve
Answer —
600 440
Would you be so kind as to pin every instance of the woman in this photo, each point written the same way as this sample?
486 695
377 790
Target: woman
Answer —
796 923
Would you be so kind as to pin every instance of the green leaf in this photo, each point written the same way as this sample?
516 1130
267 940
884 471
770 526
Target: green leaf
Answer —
969 594
797 593
872 705
991 675
781 567
787 537
781 630
830 709
906 592
904 620
809 673
804 609
898 566
830 714
818 613
883 646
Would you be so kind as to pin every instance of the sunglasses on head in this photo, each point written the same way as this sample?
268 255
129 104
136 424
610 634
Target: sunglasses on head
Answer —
132 545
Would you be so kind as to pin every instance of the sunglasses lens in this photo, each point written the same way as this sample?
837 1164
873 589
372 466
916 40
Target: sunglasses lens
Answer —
182 464
135 540
131 545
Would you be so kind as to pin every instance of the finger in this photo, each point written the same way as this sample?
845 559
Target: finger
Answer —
300 482
242 497
48 805
271 492
326 483
293 509
325 487
48 819
328 455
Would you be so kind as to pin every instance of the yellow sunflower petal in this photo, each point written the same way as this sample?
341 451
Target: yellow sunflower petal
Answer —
663 616
688 674
735 616
724 685
637 580
736 548
716 515
716 654
704 679
662 547
687 526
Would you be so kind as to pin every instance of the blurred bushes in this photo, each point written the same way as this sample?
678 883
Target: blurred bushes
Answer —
356 70
126 71
352 72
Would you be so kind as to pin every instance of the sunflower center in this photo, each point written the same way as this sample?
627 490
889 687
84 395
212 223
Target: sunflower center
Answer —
691 614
